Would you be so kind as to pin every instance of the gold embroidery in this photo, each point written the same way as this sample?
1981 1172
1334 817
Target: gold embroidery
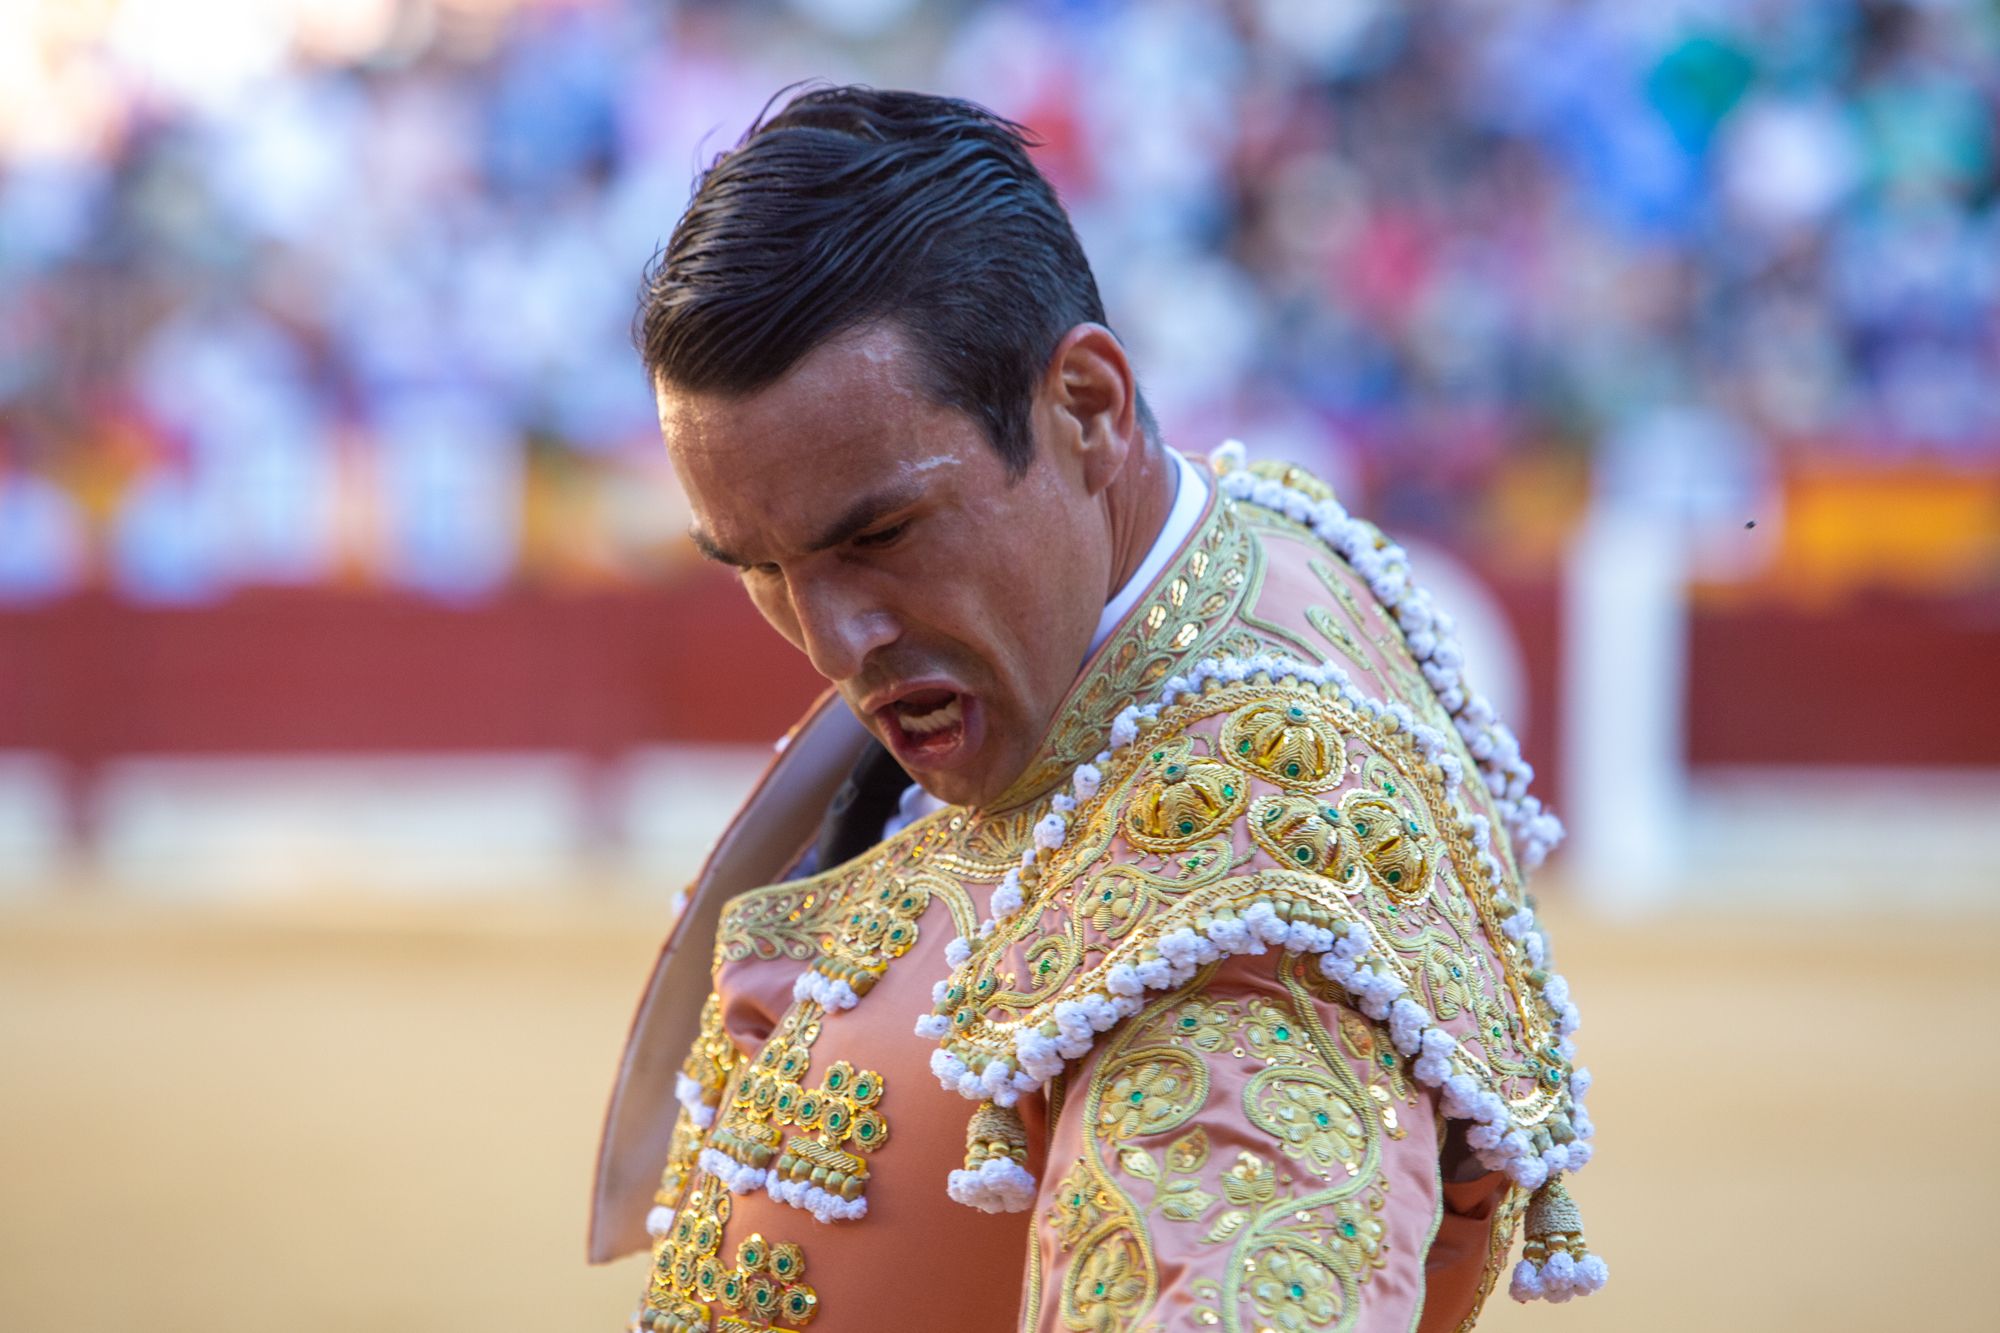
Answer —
995 1133
1203 1024
1339 635
873 929
1293 745
1306 1113
1303 833
1297 1255
710 1062
1294 1290
1111 1282
1186 801
1390 842
1251 1180
1377 836
1070 934
1189 1152
1079 1207
714 1057
857 919
764 1286
1150 1092
781 921
841 1111
681 1153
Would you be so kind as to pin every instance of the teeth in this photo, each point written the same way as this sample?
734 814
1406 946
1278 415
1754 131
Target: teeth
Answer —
923 724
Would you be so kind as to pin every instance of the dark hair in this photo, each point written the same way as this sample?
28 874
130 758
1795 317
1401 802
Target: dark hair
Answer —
854 205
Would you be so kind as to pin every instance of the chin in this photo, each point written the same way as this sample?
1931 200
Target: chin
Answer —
952 788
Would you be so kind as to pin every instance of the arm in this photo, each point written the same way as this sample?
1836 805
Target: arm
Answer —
1238 1155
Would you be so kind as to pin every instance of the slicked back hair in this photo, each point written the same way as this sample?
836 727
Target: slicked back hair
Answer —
853 206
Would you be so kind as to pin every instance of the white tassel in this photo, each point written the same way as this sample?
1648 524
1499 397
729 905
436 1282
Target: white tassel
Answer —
998 1185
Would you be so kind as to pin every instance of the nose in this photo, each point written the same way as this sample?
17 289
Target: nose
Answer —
839 624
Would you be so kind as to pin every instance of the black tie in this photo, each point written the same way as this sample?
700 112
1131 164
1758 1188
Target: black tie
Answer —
853 821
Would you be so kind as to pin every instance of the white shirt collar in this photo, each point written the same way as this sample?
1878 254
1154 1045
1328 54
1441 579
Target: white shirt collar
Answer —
1190 497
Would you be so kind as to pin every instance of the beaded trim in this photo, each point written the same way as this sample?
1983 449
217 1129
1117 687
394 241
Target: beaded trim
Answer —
1347 956
1432 639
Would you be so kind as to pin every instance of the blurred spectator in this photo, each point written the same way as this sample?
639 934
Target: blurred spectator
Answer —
396 246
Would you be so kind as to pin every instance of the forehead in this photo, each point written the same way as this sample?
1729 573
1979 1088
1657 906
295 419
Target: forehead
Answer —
850 418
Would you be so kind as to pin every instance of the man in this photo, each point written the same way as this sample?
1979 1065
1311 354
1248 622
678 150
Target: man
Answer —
1191 983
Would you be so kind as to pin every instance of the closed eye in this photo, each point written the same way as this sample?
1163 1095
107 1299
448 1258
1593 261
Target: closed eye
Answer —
882 537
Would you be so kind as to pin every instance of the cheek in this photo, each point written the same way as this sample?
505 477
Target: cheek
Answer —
774 603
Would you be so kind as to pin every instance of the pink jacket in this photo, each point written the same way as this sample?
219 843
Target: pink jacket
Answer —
1232 1012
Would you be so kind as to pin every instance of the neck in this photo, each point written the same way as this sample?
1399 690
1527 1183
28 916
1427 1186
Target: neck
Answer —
1138 503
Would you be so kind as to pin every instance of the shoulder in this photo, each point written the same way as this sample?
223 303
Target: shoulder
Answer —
1262 805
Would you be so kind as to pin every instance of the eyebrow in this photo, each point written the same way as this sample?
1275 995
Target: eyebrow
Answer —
858 518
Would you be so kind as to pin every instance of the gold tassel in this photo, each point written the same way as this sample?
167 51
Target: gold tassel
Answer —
995 1131
996 1178
1556 1262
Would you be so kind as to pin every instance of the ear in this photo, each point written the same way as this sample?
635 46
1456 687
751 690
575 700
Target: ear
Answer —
1092 403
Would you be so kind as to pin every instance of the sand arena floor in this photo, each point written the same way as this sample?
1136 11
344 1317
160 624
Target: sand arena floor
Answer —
351 1116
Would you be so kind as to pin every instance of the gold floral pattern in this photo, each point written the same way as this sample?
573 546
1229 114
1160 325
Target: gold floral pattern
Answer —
1358 1235
1390 842
1273 1032
841 1117
1293 1290
1150 1093
1080 1205
1110 1284
1202 1023
1307 1114
1251 1180
1293 1248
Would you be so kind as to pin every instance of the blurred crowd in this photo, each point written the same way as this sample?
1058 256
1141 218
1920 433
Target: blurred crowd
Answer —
360 314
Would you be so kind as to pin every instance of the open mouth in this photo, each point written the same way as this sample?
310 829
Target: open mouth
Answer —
927 727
